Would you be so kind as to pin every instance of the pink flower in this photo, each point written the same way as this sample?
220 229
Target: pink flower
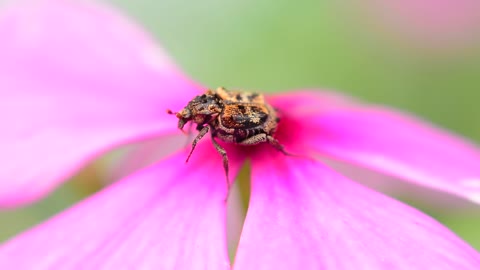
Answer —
78 79
440 25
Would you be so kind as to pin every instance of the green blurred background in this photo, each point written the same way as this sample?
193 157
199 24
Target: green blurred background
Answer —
422 65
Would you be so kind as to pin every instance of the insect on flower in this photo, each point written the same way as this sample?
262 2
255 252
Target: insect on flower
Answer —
239 117
160 217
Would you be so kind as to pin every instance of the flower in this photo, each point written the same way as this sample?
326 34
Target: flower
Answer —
430 25
77 79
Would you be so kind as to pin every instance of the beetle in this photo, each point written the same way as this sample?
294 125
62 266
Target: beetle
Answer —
238 117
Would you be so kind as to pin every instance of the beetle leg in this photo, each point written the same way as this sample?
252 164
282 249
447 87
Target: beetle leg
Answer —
189 134
222 152
259 138
200 135
277 145
274 142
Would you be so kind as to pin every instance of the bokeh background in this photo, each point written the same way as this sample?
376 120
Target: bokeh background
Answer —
422 56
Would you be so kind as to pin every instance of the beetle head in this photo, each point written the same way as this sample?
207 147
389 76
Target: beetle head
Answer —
201 110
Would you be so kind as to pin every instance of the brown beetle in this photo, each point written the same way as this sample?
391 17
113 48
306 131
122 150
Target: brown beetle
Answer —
238 117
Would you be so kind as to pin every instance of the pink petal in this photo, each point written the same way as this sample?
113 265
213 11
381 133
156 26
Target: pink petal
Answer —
434 25
302 215
76 79
383 140
168 216
144 153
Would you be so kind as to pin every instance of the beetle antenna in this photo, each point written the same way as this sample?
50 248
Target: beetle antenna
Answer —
171 112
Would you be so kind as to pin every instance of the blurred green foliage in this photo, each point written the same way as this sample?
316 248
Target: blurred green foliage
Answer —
282 45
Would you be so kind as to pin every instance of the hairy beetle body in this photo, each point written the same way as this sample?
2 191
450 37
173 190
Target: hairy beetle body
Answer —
238 117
